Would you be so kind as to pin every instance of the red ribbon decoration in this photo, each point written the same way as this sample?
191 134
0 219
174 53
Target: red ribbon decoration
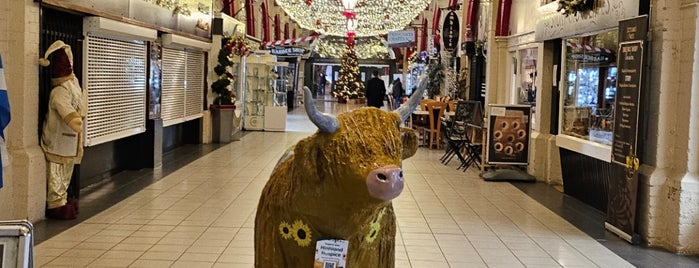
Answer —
349 14
350 39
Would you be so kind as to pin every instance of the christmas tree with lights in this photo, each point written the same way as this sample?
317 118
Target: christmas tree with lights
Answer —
349 85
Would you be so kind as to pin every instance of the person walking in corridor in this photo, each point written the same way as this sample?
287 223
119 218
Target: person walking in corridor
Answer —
375 90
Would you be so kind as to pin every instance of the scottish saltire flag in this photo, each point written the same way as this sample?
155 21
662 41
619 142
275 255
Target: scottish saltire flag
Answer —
4 112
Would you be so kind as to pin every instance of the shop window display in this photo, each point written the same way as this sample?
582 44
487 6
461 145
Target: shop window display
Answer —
590 86
528 74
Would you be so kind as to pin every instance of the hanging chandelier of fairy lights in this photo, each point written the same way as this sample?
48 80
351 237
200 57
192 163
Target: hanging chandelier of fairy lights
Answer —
373 17
365 47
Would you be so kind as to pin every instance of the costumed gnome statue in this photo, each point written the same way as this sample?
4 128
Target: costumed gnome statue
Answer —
328 200
61 137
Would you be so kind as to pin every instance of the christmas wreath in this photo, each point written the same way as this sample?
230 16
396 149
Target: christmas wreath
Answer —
572 7
231 47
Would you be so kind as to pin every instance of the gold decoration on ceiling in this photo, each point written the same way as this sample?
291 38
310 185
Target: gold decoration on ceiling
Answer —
374 17
364 48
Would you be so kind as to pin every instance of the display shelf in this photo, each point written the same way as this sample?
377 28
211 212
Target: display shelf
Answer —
258 80
275 107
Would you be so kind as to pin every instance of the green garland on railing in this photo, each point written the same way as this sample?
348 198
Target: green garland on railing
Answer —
572 7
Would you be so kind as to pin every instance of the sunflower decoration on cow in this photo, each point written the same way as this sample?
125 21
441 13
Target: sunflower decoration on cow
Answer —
333 191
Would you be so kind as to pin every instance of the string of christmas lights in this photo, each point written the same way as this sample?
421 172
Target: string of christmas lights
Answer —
349 85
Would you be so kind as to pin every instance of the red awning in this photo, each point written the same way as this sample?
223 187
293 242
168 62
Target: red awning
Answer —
291 41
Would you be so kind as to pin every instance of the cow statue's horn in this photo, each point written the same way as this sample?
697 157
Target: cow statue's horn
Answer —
407 109
325 122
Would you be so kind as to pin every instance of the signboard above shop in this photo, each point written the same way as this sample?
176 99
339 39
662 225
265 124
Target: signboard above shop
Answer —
553 24
401 38
183 17
288 51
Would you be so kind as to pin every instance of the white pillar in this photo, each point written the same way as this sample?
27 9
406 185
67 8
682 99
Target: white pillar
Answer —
689 186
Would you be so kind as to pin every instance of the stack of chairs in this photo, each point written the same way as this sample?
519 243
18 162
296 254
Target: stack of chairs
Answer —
459 142
455 134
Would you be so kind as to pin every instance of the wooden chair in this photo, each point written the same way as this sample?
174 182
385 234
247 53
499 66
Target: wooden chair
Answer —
424 102
420 123
436 111
452 105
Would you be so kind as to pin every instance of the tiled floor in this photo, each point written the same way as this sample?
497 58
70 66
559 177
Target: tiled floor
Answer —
202 215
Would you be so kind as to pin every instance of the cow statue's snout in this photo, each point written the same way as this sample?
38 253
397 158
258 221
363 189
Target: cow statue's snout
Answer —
385 183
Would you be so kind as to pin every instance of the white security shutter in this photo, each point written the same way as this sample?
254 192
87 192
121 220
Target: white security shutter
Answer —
172 99
195 84
115 78
183 86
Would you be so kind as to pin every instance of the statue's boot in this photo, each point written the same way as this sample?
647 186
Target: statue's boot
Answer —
74 203
66 212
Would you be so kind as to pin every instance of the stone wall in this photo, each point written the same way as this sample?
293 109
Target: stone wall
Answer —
23 194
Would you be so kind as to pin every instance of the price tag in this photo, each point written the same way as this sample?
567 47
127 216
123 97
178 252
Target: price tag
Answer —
331 253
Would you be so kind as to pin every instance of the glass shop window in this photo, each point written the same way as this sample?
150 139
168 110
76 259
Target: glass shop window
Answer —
590 87
527 81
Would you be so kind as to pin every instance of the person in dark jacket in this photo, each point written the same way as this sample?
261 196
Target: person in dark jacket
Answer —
375 90
397 92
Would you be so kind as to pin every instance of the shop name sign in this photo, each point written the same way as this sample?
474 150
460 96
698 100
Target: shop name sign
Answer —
450 31
553 24
590 57
288 51
401 38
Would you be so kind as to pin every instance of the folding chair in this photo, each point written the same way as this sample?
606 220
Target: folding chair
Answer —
455 134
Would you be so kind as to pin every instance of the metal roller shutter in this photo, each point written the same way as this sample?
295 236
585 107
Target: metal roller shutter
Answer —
183 85
195 84
172 99
115 78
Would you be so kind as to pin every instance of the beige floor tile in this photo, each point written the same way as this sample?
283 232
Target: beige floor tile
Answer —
121 254
160 255
49 252
132 247
111 262
193 264
199 257
70 261
429 264
151 264
84 253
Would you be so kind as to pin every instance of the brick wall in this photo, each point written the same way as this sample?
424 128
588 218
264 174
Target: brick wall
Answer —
670 206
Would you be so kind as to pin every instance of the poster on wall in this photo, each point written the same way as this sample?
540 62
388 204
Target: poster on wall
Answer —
508 134
623 184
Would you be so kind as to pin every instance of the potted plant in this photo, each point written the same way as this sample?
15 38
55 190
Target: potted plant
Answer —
223 106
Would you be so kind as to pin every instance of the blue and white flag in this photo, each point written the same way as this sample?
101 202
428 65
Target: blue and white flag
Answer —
4 115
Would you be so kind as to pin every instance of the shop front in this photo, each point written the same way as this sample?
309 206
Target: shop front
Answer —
584 78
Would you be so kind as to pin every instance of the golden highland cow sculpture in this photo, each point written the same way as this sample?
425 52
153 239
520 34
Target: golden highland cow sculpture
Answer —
337 184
